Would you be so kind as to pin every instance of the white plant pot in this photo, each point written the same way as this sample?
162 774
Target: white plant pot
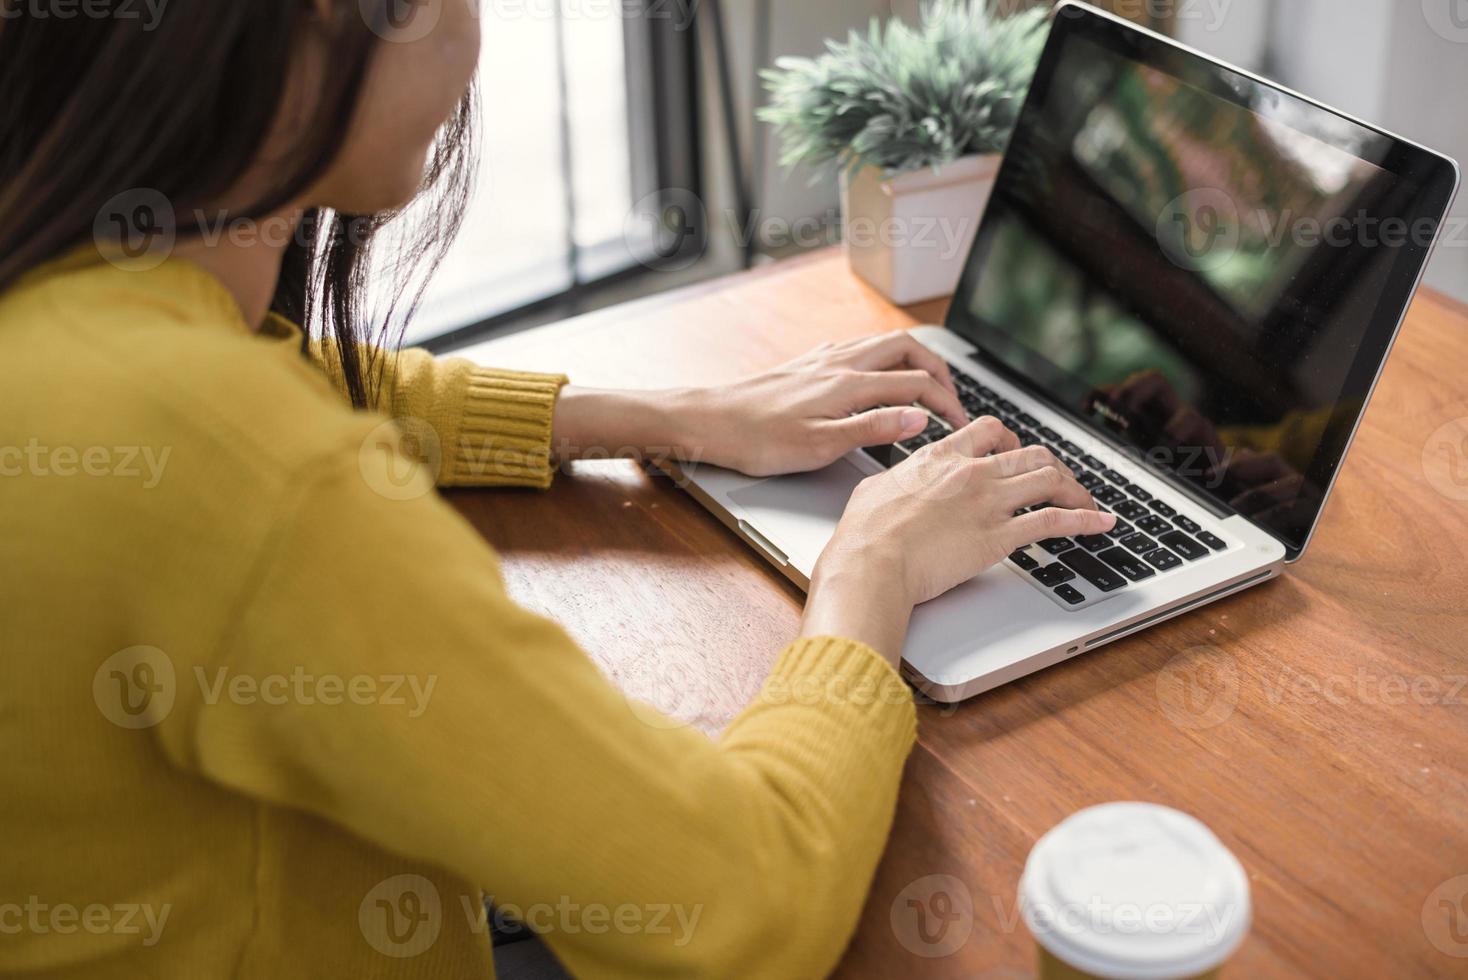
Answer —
909 236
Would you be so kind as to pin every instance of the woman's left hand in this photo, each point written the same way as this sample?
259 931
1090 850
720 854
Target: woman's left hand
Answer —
816 409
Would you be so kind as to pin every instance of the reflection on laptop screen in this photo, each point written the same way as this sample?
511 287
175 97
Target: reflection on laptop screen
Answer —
1207 267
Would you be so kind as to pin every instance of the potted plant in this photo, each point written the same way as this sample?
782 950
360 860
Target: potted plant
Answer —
915 119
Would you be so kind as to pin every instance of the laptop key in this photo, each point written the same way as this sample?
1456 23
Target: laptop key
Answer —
886 456
1070 594
1184 545
1164 509
1108 495
978 409
1128 564
1049 434
1093 571
1052 575
1138 492
1071 449
1153 524
1131 510
1057 545
1115 476
1187 524
1094 542
1121 530
1090 481
1213 541
1093 463
1162 560
1138 544
1026 418
1024 561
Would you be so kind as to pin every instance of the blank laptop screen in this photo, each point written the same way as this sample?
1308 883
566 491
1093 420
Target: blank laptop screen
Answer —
1208 268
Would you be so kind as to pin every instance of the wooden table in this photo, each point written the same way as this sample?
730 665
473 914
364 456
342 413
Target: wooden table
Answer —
1318 724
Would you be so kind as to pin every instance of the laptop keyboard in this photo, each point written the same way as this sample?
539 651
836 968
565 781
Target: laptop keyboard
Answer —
1151 537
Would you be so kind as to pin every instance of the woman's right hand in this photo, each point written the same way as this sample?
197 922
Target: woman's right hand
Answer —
934 522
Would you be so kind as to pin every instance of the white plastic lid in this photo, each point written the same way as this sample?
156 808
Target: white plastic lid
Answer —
1135 891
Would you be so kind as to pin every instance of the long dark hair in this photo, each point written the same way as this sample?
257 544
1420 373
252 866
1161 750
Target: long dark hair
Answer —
96 106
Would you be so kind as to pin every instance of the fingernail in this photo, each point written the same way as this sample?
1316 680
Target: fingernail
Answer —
914 420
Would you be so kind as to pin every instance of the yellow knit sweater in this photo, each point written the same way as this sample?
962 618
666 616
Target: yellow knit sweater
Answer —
268 712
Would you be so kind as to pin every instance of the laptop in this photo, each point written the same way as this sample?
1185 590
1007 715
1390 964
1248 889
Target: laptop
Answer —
1186 284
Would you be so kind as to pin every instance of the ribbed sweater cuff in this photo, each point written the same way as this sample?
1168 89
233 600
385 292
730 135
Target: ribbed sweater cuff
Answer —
847 678
504 430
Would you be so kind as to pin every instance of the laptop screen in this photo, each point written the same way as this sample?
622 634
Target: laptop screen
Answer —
1207 268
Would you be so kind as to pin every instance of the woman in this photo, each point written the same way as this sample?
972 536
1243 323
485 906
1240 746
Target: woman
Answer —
265 716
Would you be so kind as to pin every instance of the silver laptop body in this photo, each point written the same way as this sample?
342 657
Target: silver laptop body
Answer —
1011 621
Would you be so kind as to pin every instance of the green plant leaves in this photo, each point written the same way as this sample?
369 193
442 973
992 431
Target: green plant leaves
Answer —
903 98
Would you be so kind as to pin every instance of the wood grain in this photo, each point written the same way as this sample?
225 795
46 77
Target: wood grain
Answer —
1317 724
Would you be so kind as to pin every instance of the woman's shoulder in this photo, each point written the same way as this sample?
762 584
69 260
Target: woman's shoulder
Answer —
159 357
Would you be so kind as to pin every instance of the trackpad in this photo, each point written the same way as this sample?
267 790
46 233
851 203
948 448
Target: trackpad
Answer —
798 513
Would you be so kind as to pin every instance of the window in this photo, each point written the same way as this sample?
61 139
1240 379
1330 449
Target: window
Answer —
574 137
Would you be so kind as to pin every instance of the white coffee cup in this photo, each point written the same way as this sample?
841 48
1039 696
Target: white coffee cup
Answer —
1133 891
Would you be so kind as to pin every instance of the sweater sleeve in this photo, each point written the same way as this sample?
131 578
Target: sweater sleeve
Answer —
482 427
524 770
